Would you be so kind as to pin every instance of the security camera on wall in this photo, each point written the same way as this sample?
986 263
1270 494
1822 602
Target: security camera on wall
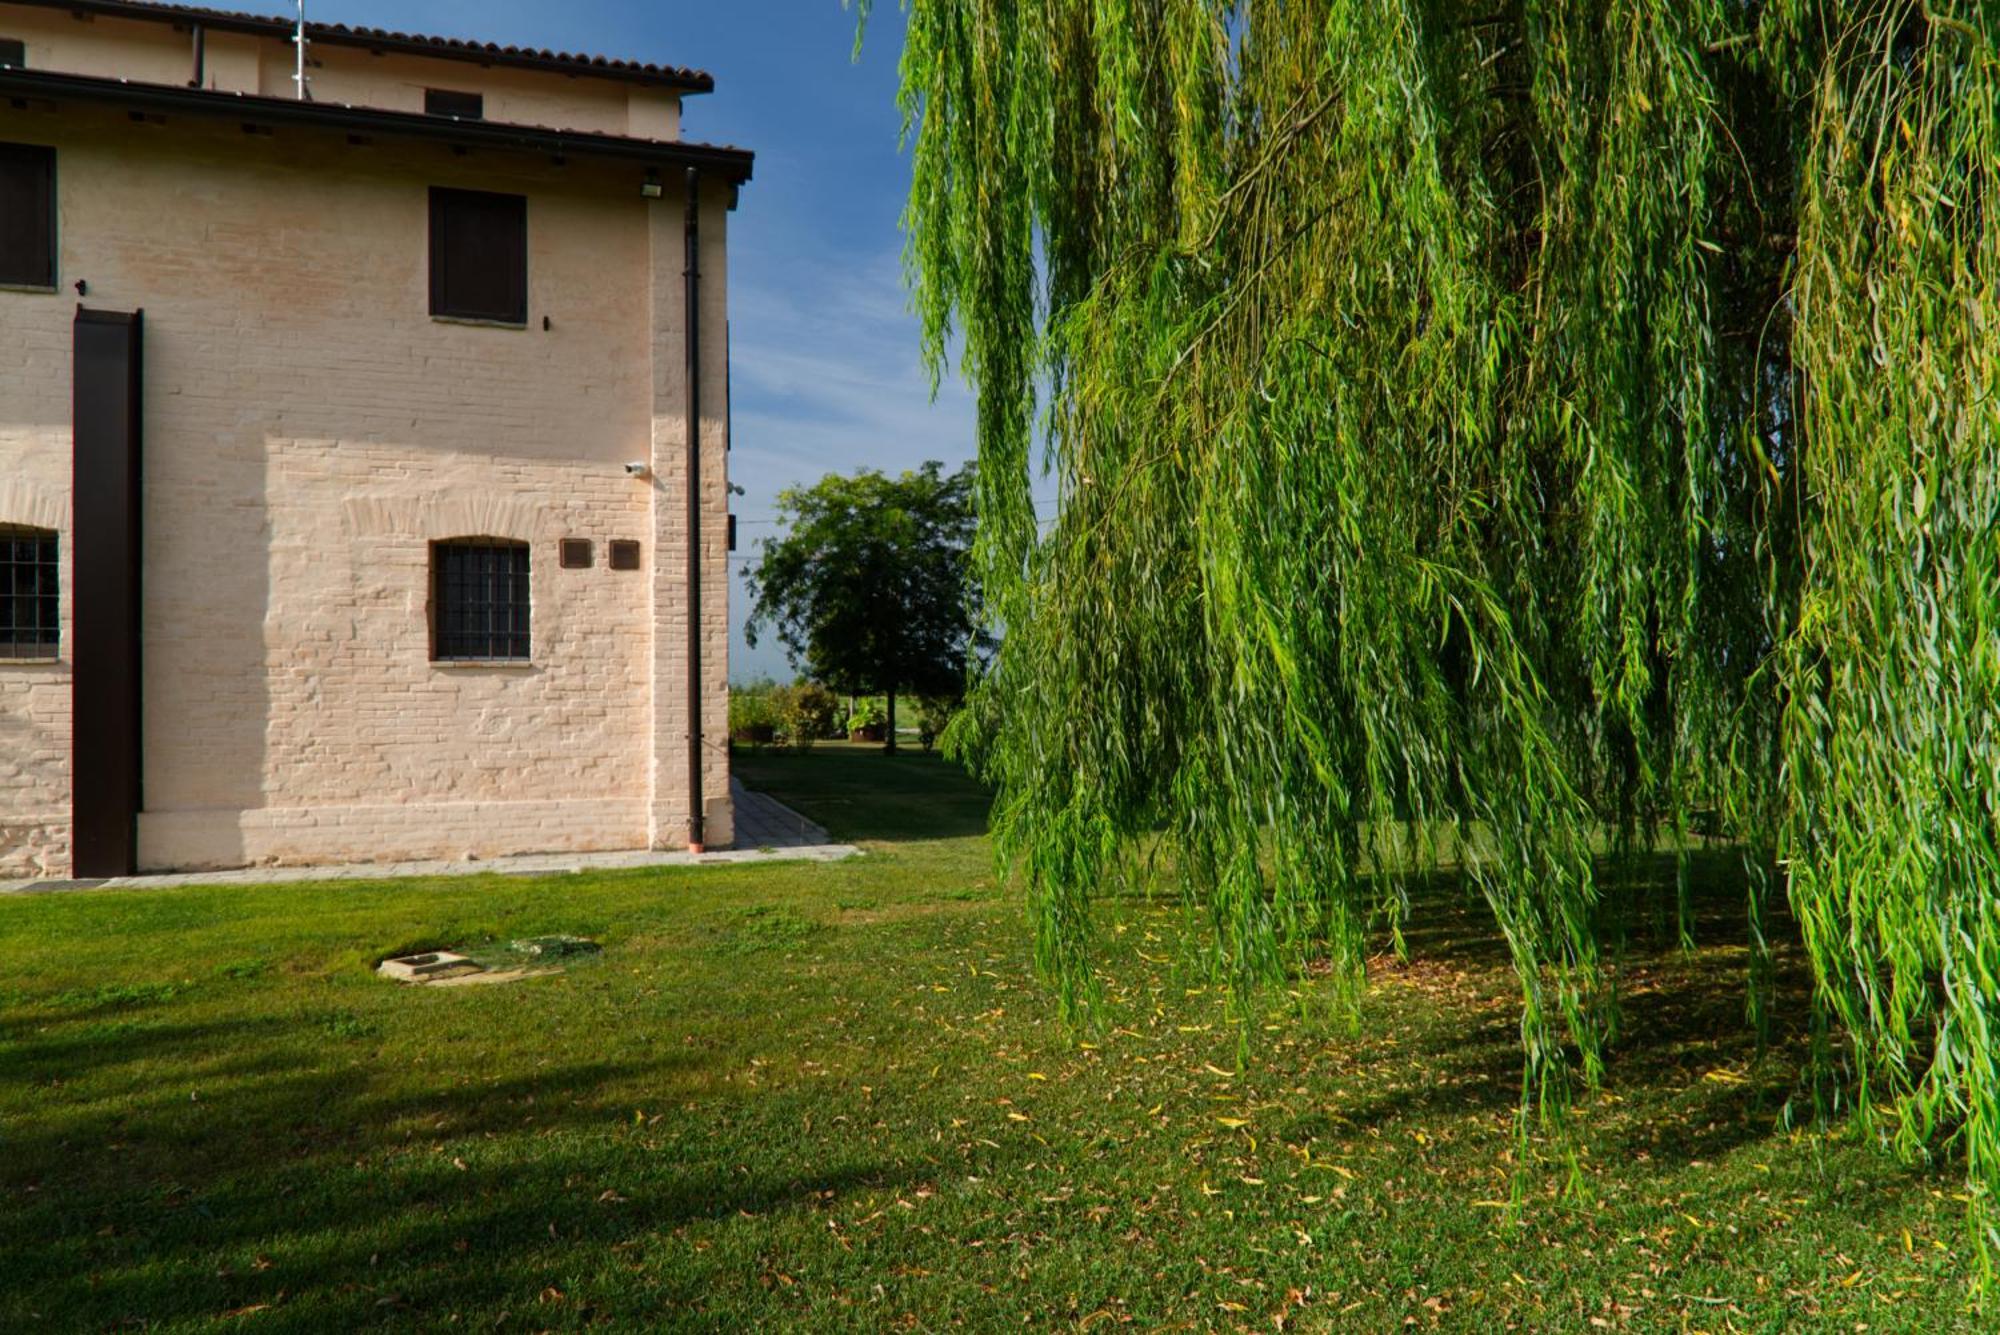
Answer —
638 470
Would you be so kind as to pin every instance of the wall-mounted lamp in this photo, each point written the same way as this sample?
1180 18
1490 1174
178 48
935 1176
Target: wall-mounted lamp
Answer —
651 189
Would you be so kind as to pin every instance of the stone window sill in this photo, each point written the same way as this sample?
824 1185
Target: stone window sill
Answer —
31 289
33 662
479 324
482 664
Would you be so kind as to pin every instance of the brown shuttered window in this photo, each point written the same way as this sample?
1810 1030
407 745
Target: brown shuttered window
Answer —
460 106
479 256
27 216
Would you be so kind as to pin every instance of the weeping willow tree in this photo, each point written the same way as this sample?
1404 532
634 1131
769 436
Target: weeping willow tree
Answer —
1489 434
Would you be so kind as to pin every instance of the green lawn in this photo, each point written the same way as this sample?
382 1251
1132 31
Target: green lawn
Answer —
833 1097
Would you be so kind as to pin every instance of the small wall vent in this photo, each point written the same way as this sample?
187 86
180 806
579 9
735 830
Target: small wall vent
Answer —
459 106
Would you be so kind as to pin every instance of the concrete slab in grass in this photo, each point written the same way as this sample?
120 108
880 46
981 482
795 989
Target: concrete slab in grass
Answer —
431 967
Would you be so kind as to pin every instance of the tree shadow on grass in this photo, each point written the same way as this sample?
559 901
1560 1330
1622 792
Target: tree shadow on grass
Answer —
270 1182
1685 1049
425 1236
1670 1043
78 1048
1638 915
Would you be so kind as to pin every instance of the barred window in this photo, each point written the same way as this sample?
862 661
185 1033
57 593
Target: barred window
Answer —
30 604
479 600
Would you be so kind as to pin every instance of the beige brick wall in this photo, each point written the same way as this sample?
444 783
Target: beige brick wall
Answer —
310 430
381 832
151 52
34 696
106 48
35 492
671 723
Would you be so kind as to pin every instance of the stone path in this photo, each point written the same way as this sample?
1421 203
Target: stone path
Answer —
766 831
766 823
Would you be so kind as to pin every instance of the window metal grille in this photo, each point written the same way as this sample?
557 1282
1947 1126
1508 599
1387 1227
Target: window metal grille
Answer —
479 601
30 602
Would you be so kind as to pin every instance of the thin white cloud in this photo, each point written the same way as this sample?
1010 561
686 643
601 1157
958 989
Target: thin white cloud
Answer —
828 379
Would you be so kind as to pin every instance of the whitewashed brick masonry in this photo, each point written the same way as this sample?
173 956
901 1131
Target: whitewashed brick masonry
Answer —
310 430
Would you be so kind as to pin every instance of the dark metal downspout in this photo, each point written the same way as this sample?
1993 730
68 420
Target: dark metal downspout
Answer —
200 57
693 319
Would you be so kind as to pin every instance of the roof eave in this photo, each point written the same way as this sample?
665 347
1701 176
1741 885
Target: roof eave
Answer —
731 164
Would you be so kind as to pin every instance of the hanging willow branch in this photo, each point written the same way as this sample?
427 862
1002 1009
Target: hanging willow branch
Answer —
1483 434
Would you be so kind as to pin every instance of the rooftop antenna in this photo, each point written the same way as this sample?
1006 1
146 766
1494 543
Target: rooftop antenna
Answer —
299 53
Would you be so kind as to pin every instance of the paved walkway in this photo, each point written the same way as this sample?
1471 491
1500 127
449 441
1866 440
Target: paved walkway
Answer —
766 831
766 824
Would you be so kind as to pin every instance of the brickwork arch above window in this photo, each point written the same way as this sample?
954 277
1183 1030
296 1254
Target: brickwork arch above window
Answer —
442 516
32 505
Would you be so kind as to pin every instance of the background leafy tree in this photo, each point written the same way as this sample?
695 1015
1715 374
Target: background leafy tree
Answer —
870 589
1486 433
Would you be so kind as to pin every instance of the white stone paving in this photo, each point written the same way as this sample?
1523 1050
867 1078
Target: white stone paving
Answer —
766 831
764 823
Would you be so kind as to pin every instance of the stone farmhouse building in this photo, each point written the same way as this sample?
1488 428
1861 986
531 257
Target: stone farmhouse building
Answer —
363 472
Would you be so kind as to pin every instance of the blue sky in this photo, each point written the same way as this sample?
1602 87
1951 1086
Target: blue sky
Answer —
827 375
